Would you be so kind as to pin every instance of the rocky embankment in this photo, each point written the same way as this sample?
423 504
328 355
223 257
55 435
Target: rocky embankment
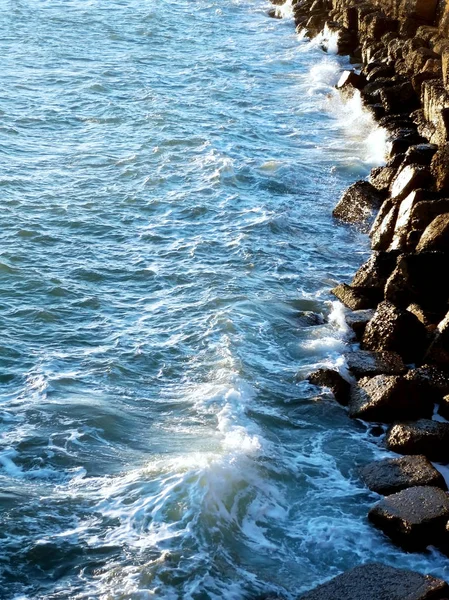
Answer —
399 299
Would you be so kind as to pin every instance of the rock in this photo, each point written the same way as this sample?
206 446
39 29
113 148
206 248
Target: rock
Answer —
439 348
443 408
376 271
408 179
356 298
393 475
396 330
425 210
387 398
358 203
274 14
308 318
379 582
425 436
435 379
382 231
420 154
399 97
350 80
436 235
381 178
363 363
334 381
413 518
358 319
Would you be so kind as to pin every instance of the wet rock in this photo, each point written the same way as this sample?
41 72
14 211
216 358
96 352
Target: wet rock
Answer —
424 436
334 381
436 235
382 231
420 154
358 203
358 319
350 80
374 581
439 348
413 518
376 271
381 178
308 318
408 179
274 14
393 475
425 210
399 97
363 363
396 330
387 398
356 298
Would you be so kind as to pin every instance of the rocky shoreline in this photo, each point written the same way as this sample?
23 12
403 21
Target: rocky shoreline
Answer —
399 299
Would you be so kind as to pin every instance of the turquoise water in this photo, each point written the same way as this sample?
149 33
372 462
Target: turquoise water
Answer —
168 174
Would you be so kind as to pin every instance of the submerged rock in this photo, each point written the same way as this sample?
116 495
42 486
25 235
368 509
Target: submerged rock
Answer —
413 518
374 581
334 381
363 363
424 436
393 475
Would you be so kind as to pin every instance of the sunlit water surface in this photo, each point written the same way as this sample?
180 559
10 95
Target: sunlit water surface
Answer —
167 179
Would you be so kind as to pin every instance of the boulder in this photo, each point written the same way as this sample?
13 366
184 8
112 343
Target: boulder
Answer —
408 179
424 436
436 235
395 330
358 319
413 518
439 348
379 582
358 203
440 168
350 81
382 231
356 298
399 97
363 363
387 398
381 178
308 318
393 475
376 271
334 381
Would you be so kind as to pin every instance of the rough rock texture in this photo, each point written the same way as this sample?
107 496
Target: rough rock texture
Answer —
334 381
375 272
379 582
393 475
440 168
436 235
408 179
356 298
439 348
387 398
358 203
413 518
363 363
358 319
425 436
397 330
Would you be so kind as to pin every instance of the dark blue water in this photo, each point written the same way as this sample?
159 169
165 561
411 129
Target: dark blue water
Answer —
167 179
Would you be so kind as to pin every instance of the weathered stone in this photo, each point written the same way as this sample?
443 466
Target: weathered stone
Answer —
413 518
420 154
440 168
356 298
434 378
358 203
379 582
399 97
350 80
436 235
425 436
420 314
376 271
308 318
358 319
387 398
423 10
424 211
403 222
439 348
363 363
393 475
435 103
381 70
382 231
408 179
396 330
381 177
334 381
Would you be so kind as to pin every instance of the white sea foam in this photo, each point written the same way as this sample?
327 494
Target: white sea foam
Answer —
285 11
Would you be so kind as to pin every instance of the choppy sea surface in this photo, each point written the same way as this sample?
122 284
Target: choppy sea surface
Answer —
168 171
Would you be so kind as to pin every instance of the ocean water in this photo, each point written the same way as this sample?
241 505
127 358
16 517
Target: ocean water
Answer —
168 171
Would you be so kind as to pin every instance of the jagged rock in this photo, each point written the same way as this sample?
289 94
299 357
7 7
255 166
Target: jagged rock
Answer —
422 315
425 210
435 103
350 80
334 381
358 203
432 378
408 179
382 231
381 70
420 154
436 235
379 582
400 140
308 318
376 271
358 319
397 330
413 518
381 177
387 398
425 436
274 14
356 298
399 97
443 408
393 475
439 348
440 168
363 363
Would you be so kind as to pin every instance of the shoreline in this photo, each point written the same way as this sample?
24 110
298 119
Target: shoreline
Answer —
399 298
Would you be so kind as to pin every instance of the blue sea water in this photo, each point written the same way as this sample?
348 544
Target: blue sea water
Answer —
168 171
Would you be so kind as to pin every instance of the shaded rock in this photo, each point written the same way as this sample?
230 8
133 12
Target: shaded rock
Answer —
415 212
420 154
308 318
358 319
356 298
413 518
334 381
425 436
408 179
376 271
399 97
443 408
439 348
363 363
381 177
440 168
387 398
350 80
379 582
436 235
358 203
393 475
397 330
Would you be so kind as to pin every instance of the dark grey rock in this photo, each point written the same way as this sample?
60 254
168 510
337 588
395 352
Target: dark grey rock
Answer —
375 272
413 518
424 436
356 298
393 475
308 318
334 381
409 178
366 363
439 348
379 582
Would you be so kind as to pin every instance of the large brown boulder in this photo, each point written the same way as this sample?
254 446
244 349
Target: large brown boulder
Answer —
436 235
382 230
387 398
356 298
393 475
358 203
379 582
425 436
396 330
377 269
440 168
439 348
363 363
